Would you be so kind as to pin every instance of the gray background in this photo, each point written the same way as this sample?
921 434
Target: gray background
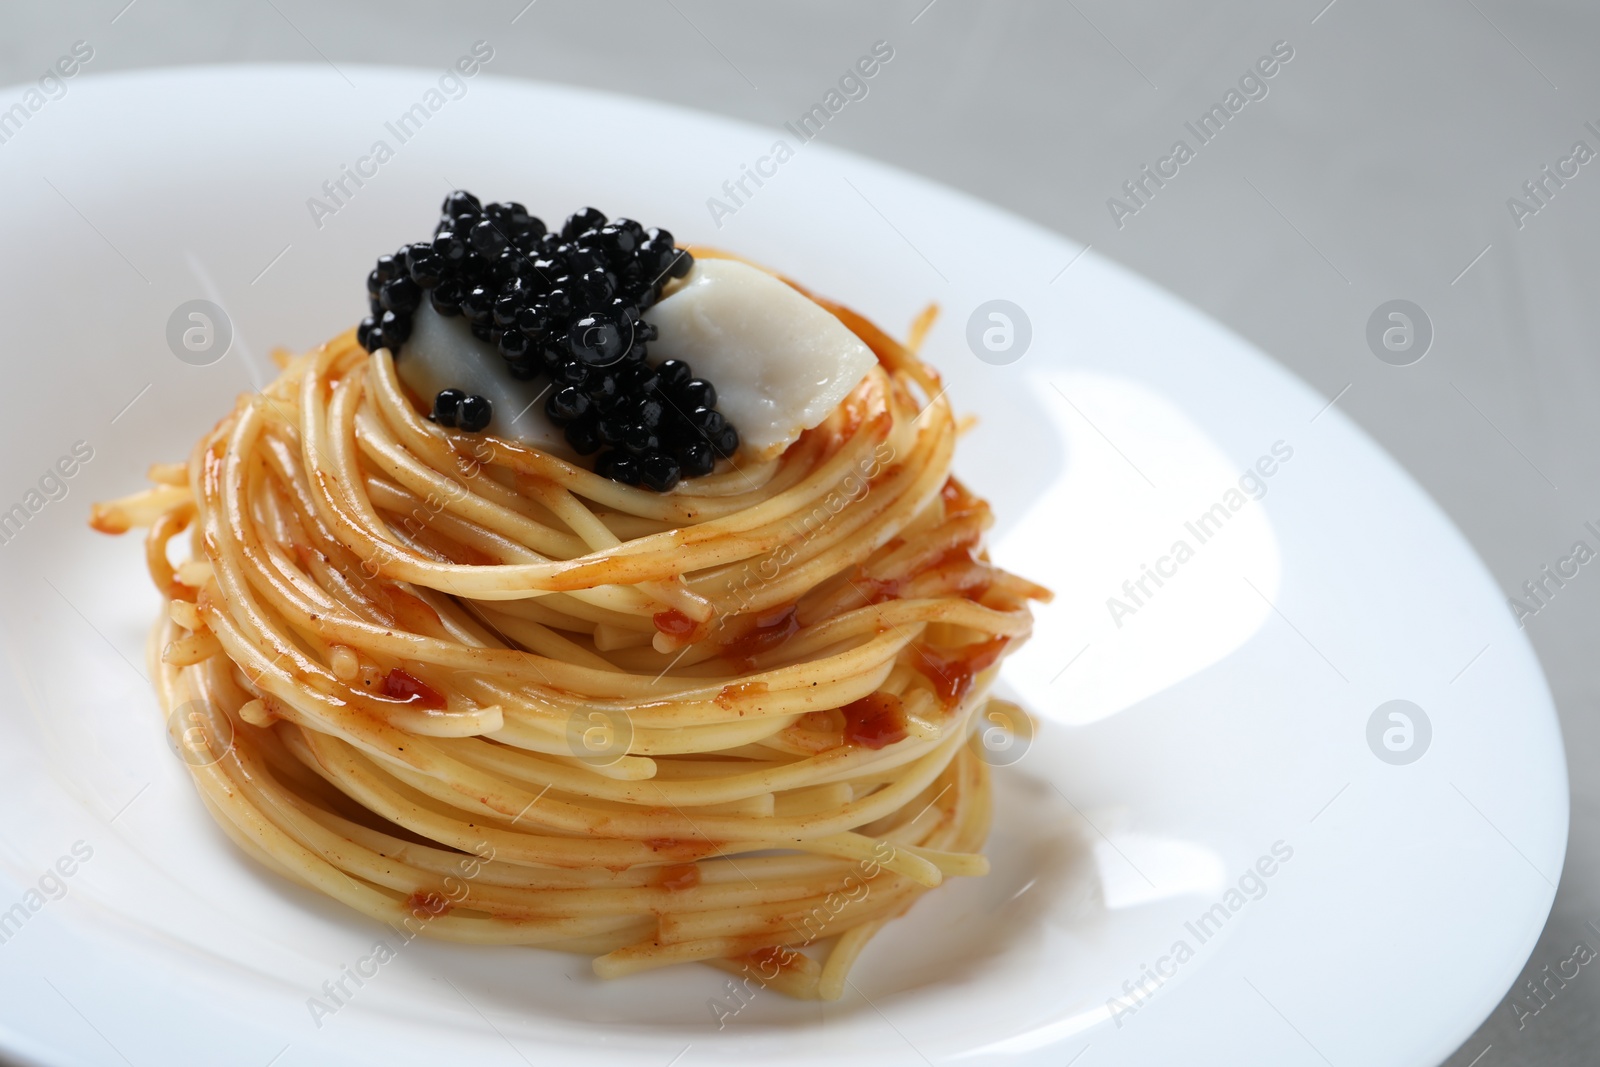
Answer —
1377 168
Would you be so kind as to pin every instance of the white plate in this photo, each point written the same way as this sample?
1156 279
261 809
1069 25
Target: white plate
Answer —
1227 714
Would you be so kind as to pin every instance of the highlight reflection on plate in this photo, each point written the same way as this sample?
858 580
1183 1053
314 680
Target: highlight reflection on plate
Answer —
1168 563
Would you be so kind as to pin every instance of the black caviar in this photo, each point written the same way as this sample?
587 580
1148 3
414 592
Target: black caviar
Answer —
474 413
567 305
447 405
456 409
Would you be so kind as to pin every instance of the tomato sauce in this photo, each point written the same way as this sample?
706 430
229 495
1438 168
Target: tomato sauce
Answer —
876 721
408 689
426 904
768 632
957 501
952 672
675 623
678 876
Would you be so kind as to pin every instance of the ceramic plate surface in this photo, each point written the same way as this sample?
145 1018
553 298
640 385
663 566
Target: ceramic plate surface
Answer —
1224 845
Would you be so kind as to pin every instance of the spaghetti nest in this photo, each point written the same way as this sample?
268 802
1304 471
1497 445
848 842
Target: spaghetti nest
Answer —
480 693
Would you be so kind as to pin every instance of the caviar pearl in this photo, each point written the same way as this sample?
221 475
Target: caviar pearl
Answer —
474 413
674 373
598 340
447 406
570 373
659 471
478 305
600 385
396 328
451 246
487 239
616 242
515 346
654 258
639 440
696 393
446 298
696 458
402 295
647 411
557 303
566 405
460 202
506 309
547 270
506 267
582 258
426 268
583 436
598 285
708 421
618 466
581 221
525 229
639 379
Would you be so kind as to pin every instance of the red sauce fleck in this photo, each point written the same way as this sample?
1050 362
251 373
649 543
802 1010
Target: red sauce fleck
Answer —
876 720
959 552
398 685
733 691
769 631
678 876
681 849
972 576
674 623
957 500
426 904
952 672
273 708
877 590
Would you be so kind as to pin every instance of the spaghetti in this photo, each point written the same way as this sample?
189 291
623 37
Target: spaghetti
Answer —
471 689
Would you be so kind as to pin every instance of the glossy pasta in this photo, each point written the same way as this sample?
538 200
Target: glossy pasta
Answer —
479 693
